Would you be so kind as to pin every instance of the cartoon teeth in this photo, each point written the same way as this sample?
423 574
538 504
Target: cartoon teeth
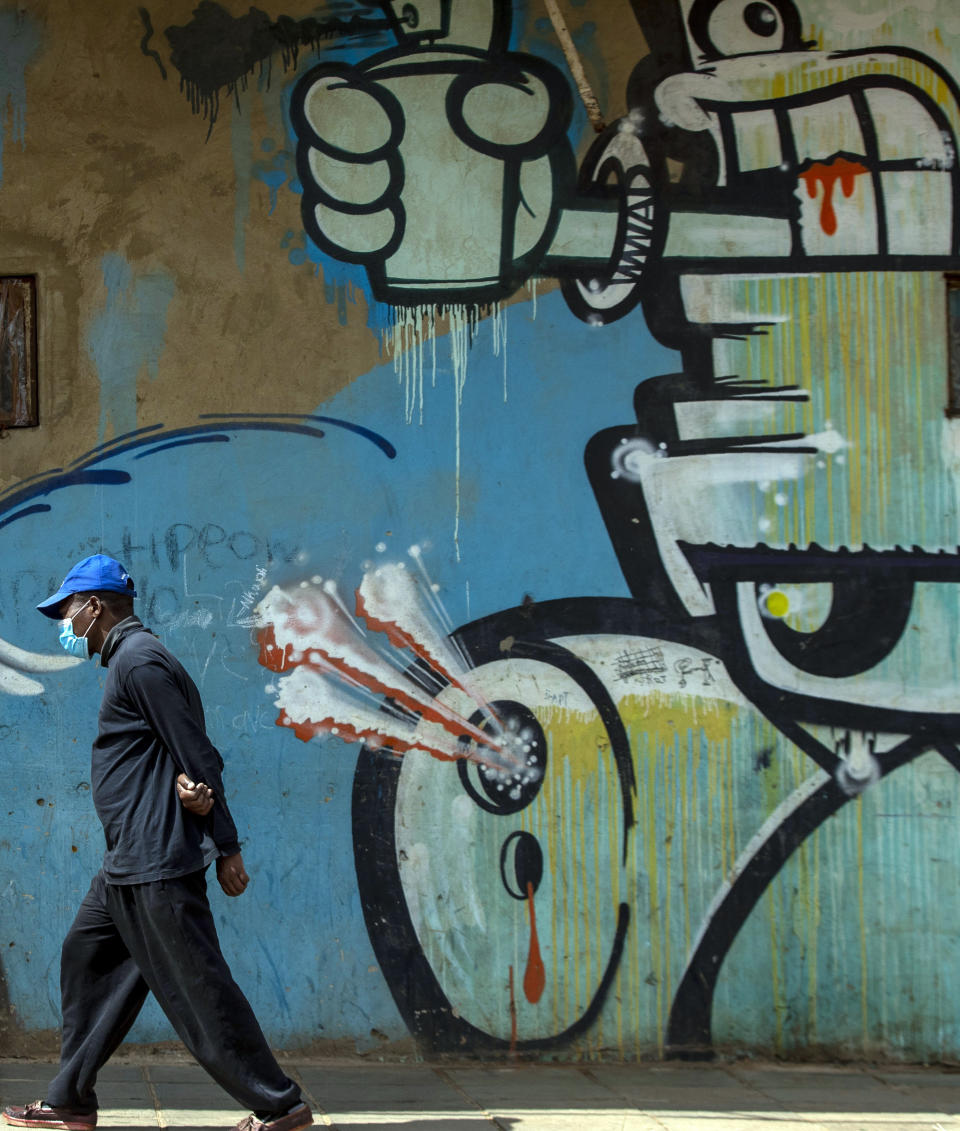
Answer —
867 140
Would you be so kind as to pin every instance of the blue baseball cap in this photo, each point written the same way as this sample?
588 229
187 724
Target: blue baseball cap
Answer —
96 574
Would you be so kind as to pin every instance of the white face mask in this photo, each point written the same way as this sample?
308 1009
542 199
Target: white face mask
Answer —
72 644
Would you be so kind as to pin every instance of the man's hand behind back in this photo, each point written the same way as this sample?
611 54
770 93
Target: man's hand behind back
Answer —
232 875
195 797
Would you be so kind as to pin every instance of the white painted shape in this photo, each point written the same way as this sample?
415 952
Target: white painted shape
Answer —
350 181
507 113
757 140
394 595
678 98
345 117
586 234
805 790
822 129
725 299
607 655
905 130
452 194
685 505
698 419
950 459
919 211
35 661
535 207
358 235
730 34
707 235
13 683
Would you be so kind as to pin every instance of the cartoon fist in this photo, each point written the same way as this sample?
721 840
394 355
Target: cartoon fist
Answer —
435 168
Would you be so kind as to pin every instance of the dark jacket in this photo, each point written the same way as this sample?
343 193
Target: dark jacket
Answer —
151 729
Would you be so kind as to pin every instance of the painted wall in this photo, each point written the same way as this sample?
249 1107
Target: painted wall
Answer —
558 514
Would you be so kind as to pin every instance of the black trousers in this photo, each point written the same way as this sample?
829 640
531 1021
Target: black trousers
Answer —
160 937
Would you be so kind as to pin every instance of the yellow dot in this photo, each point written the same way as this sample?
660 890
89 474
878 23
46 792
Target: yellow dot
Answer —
777 602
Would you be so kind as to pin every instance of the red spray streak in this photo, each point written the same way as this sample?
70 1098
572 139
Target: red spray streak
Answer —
535 976
452 722
276 660
839 169
400 638
513 1016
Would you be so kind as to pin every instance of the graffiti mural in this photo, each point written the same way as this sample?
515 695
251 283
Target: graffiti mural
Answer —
782 506
558 517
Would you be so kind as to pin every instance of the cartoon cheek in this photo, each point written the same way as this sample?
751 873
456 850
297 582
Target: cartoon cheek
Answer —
515 894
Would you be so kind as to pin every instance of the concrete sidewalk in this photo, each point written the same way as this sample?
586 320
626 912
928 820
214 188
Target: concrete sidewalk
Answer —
360 1096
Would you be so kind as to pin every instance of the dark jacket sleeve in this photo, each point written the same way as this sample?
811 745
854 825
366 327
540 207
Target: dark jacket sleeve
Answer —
161 701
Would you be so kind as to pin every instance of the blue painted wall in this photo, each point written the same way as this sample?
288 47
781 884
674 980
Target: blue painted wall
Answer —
657 402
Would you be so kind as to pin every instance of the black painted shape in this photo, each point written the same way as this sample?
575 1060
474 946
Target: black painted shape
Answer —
864 625
521 864
40 508
145 47
689 1032
762 562
421 1001
493 794
702 10
217 52
871 599
635 191
209 438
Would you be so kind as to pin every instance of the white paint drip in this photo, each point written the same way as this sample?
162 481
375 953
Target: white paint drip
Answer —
413 328
498 323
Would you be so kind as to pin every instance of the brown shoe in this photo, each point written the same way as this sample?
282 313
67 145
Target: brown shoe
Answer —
293 1120
39 1114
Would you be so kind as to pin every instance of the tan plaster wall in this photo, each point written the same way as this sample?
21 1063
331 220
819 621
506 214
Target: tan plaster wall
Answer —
114 161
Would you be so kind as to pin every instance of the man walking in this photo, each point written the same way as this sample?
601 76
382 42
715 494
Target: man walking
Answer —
146 925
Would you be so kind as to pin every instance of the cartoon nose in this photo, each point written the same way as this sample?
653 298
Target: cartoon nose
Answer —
521 864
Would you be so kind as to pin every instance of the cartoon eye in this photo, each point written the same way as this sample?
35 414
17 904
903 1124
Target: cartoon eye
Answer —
510 788
837 629
723 28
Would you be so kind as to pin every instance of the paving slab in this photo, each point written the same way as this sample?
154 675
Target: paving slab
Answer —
379 1087
534 1086
678 1089
177 1095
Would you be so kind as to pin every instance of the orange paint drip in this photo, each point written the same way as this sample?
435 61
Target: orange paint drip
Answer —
513 1016
827 174
535 975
